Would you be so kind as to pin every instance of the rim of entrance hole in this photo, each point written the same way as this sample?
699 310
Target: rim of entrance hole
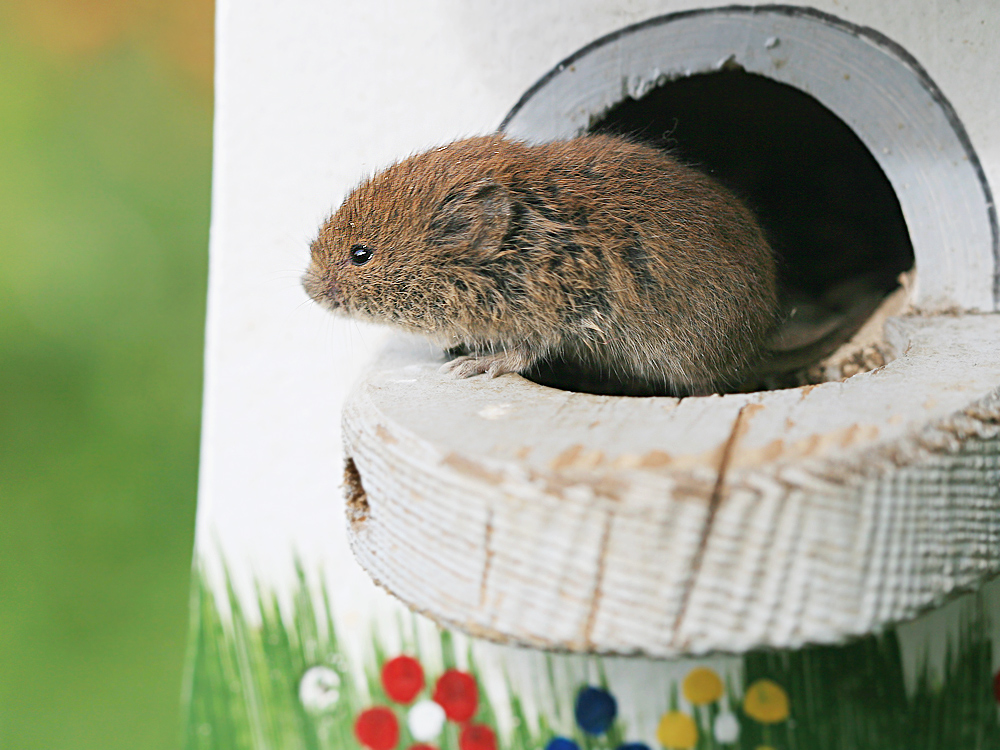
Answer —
866 80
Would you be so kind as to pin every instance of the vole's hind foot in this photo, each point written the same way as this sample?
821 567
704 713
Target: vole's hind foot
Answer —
492 365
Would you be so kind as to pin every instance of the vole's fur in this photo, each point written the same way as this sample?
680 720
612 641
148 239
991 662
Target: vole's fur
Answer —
596 251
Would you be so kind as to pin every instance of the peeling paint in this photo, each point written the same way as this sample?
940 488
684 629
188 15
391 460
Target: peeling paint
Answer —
655 459
577 457
472 469
808 447
494 411
773 450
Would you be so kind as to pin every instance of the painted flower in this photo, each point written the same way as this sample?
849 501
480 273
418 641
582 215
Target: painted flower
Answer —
677 731
996 686
377 728
477 737
633 746
595 710
402 678
457 694
726 728
319 688
561 743
425 720
766 701
422 746
702 685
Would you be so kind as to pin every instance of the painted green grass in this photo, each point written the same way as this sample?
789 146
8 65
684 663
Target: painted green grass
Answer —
243 680
243 689
853 697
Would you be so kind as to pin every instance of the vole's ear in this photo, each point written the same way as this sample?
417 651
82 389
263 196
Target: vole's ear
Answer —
477 215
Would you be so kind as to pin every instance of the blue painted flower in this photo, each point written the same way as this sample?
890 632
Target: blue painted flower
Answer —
561 743
595 710
633 746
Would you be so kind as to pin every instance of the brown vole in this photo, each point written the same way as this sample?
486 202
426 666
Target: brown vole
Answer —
596 251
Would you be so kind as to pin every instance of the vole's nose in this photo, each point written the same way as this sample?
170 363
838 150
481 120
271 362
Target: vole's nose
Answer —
322 289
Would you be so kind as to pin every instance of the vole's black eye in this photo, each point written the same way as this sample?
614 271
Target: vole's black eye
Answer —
361 254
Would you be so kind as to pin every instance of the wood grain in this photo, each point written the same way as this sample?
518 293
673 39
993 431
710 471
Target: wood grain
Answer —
662 526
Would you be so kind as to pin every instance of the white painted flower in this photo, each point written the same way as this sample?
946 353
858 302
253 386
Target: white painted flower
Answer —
425 720
726 728
319 688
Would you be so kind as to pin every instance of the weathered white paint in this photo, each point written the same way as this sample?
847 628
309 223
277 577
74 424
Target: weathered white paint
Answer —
665 526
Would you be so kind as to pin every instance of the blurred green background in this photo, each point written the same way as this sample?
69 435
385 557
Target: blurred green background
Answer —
105 149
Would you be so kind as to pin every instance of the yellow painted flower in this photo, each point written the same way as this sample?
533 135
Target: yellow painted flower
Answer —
677 731
766 701
702 685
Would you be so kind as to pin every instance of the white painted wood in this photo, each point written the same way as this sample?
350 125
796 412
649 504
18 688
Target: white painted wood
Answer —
309 99
663 526
870 83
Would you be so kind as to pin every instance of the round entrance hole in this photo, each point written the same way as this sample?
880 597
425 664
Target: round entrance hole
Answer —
828 209
852 158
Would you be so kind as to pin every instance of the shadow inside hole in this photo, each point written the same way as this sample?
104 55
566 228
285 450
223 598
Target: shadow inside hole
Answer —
827 208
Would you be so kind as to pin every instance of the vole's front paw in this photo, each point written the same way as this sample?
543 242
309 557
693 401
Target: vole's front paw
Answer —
491 364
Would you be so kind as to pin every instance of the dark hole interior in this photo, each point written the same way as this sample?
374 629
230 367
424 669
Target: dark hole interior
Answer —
828 209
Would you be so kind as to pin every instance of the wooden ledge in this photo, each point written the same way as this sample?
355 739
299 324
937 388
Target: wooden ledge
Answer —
660 526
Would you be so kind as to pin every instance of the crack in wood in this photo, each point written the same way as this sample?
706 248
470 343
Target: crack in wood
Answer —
597 595
713 505
488 562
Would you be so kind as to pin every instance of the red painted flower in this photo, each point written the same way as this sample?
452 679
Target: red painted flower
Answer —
377 728
477 737
422 746
996 686
456 693
402 678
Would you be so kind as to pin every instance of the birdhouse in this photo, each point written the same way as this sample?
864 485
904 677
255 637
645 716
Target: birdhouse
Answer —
565 565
